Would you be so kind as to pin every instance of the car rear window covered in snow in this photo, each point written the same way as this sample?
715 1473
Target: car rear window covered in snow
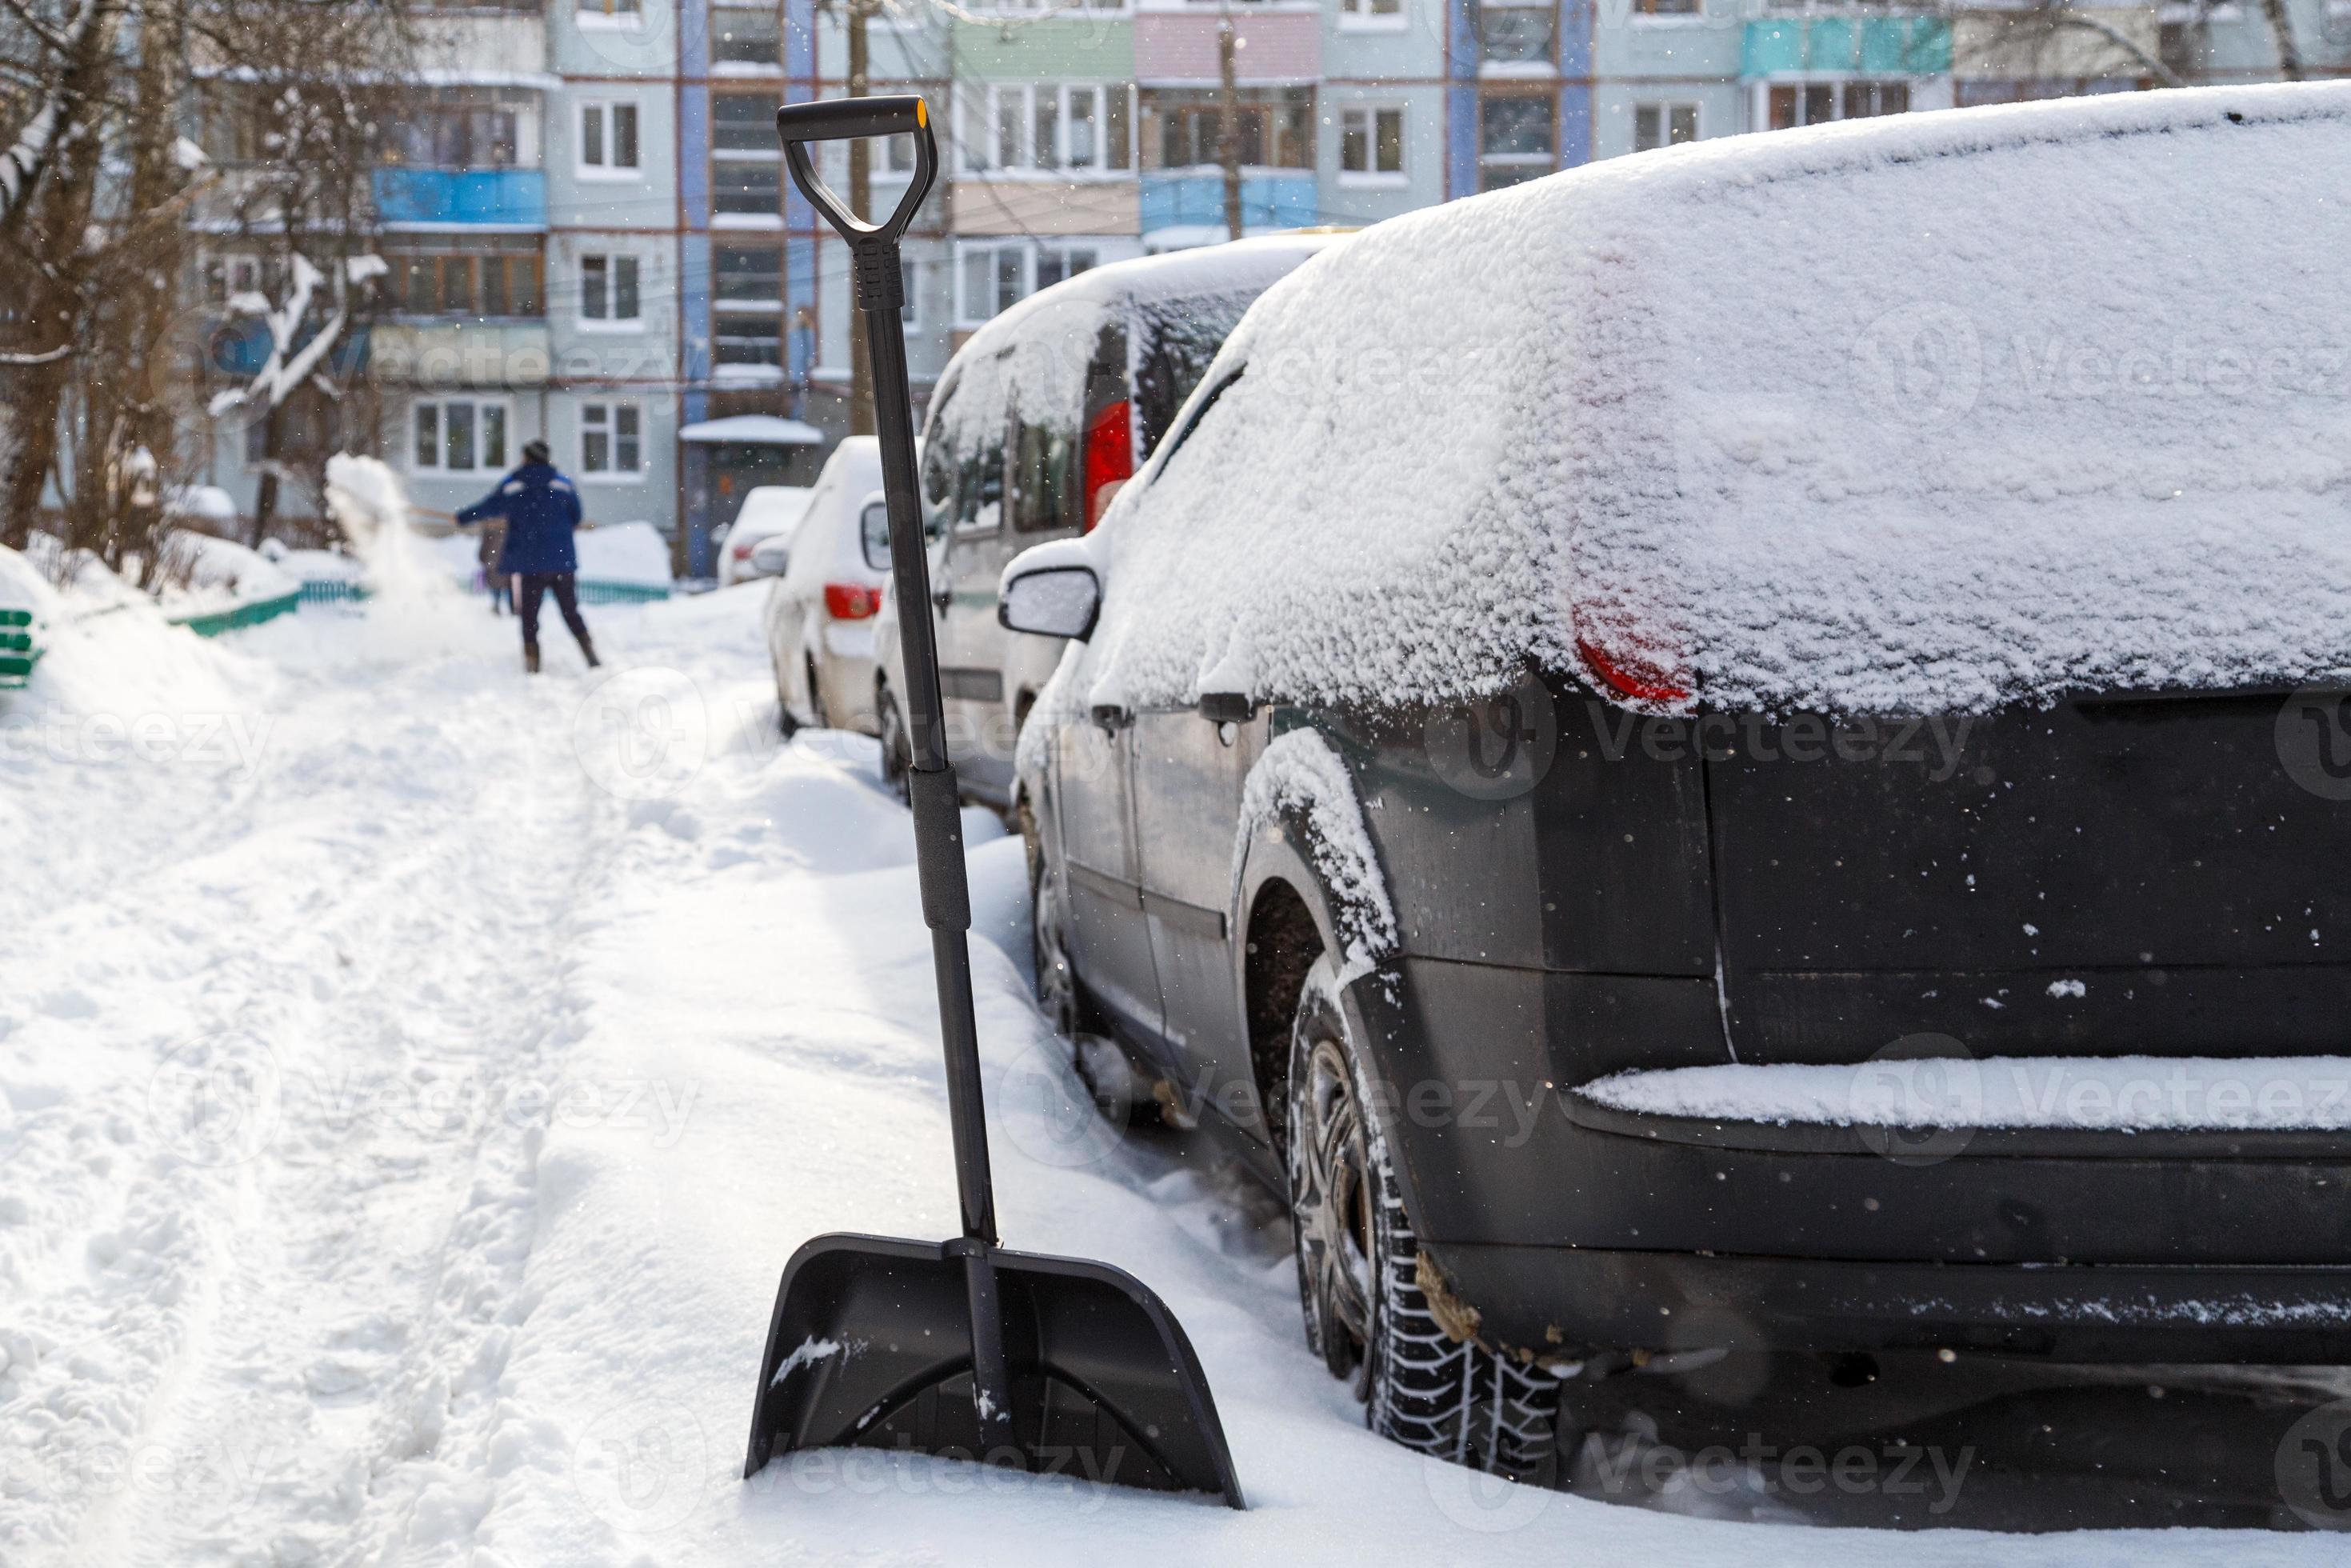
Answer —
1898 416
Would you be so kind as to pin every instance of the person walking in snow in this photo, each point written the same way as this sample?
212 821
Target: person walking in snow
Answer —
493 546
540 508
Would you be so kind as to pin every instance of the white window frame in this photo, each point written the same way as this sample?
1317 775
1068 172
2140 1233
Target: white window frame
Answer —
1760 101
607 423
604 111
1104 249
1369 110
1664 107
1359 17
981 108
611 323
440 405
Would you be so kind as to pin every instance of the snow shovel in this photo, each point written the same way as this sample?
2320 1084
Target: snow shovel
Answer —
960 1348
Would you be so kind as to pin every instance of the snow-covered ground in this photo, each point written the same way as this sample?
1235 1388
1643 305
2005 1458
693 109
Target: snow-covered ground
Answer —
413 1078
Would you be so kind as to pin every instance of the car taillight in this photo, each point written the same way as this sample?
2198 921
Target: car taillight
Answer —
1631 677
743 550
1110 457
851 601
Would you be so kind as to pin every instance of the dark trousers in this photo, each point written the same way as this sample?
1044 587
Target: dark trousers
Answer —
530 586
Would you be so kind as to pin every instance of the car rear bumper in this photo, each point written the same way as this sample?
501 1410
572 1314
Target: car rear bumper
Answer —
1555 1300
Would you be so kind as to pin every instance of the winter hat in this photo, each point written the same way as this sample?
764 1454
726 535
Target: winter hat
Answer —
534 452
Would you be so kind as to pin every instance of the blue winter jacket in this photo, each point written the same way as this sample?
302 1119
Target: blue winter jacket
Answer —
541 508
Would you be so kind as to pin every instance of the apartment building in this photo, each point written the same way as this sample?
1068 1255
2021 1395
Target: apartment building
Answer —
589 237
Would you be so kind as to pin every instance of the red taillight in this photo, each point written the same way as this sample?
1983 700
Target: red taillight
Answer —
851 601
1629 677
1110 457
743 550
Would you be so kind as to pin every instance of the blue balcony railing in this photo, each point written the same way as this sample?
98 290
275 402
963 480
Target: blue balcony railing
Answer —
1271 199
512 198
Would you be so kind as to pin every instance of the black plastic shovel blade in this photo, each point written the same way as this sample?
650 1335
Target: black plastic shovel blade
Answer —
871 1345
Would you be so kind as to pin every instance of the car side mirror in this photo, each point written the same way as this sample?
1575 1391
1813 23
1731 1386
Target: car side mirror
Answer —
874 532
1052 602
771 557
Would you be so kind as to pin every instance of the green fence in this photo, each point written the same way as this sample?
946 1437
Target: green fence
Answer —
18 652
213 622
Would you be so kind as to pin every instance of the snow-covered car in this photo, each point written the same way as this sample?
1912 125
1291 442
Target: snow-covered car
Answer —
1037 423
767 511
1744 747
819 612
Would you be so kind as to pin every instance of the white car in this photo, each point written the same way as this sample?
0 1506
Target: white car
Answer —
765 512
819 615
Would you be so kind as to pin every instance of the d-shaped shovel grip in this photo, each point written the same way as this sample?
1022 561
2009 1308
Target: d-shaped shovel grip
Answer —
847 119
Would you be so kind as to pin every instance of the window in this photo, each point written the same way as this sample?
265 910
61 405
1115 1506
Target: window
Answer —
464 275
1371 13
1665 8
611 13
608 290
607 138
747 306
1023 126
746 38
458 435
1516 34
745 164
1663 125
450 131
230 275
1185 127
1517 139
1371 143
994 275
1790 104
611 441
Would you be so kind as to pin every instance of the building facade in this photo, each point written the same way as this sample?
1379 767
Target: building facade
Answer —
589 237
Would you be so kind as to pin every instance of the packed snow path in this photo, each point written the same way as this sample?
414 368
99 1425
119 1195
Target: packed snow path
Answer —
413 1078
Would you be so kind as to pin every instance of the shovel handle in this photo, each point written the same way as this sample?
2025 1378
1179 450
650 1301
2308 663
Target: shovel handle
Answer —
847 119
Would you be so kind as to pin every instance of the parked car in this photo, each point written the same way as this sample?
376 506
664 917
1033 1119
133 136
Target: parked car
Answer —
1672 806
767 511
819 612
1037 423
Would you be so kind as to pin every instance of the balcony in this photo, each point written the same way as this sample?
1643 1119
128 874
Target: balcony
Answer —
1191 204
442 198
1863 46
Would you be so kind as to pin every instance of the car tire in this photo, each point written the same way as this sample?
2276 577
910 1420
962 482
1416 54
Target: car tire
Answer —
817 714
897 747
1368 1316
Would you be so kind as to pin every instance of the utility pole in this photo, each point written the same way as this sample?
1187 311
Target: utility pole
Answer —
861 201
1228 144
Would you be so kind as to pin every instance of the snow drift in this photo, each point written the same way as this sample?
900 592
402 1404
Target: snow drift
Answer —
1932 413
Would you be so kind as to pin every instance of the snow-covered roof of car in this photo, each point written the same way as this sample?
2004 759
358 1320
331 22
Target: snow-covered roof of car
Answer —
1031 359
1931 411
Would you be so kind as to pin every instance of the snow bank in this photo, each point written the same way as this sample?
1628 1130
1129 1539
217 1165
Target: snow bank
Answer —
201 572
624 552
2113 1094
1932 411
108 655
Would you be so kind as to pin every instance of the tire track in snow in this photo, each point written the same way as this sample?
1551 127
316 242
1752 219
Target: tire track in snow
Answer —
303 1334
